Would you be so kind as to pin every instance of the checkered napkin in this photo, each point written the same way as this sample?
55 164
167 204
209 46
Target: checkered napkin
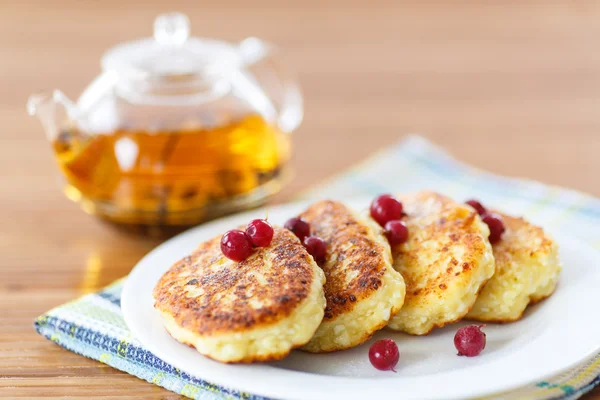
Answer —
93 325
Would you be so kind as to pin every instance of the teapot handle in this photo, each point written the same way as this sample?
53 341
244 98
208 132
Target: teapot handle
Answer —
288 99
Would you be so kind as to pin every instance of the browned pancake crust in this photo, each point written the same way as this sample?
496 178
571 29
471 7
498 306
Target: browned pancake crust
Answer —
335 224
225 305
507 250
445 262
456 221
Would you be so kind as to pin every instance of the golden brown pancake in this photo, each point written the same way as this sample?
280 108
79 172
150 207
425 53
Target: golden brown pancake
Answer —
527 269
255 310
362 289
445 262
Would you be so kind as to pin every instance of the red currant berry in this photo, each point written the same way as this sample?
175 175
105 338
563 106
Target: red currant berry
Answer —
496 225
469 340
384 355
300 227
236 245
477 206
396 232
386 208
260 232
316 247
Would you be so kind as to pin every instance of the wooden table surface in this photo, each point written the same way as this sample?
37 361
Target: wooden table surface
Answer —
513 88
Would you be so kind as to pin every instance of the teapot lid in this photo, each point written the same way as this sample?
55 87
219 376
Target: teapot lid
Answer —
171 53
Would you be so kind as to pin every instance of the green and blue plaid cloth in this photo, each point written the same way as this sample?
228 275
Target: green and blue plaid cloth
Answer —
93 325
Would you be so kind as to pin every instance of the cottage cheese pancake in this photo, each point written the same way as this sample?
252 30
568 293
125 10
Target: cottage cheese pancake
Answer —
362 289
445 262
527 269
254 310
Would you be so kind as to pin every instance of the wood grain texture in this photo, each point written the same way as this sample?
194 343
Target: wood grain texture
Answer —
512 87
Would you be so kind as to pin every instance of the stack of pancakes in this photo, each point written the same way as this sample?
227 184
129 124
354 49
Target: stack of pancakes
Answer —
279 299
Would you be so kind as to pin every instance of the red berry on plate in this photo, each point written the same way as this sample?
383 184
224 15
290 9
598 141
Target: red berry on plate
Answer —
384 355
260 232
496 225
386 208
477 206
236 245
470 340
396 232
316 247
300 227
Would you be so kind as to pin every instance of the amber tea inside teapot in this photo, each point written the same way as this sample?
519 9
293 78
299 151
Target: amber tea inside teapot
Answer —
176 129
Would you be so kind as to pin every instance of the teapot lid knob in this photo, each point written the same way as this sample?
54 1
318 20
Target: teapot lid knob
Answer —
171 52
171 29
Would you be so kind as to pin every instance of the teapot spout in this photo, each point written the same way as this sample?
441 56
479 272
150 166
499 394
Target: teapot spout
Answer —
53 110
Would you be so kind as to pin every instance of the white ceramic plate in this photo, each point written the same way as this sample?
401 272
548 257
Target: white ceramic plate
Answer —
556 334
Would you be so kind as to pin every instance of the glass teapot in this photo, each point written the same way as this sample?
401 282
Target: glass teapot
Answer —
176 129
